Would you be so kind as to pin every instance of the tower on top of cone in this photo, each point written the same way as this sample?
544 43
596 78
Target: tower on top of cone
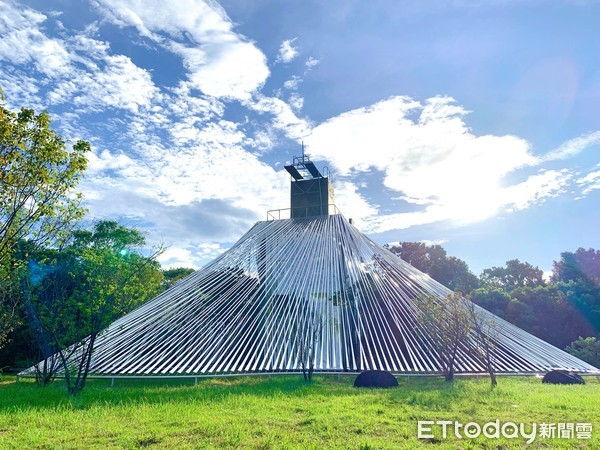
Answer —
310 289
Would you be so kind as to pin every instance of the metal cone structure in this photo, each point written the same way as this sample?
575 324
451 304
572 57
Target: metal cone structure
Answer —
310 290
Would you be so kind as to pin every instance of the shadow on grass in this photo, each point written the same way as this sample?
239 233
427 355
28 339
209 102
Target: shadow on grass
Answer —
432 393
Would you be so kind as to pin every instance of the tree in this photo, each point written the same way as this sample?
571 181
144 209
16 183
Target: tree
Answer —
447 322
515 274
577 275
78 291
8 305
485 334
308 332
454 324
583 265
172 276
491 298
38 174
110 235
433 260
548 313
587 349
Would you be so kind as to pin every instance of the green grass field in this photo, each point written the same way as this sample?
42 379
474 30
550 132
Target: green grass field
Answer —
285 412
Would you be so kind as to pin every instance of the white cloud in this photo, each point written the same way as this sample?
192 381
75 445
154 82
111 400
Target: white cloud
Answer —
178 257
171 182
192 256
427 154
434 242
20 89
574 146
176 18
118 84
226 70
263 140
296 102
284 118
219 61
208 251
311 62
590 182
21 42
351 203
292 83
287 52
547 275
18 19
78 68
91 48
105 160
217 134
184 104
536 189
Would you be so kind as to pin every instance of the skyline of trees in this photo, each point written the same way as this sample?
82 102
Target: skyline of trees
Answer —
558 310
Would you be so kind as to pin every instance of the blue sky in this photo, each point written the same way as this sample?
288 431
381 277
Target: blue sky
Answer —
469 123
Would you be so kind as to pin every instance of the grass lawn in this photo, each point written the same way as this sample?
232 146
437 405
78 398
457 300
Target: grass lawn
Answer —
285 412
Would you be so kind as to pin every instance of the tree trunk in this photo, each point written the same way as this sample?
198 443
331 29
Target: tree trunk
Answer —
449 375
492 375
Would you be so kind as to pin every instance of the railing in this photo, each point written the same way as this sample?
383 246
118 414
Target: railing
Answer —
286 213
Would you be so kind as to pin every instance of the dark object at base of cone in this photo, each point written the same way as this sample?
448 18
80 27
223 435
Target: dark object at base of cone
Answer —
562 377
376 379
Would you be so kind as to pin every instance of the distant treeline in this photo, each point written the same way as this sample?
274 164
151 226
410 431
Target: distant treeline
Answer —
558 310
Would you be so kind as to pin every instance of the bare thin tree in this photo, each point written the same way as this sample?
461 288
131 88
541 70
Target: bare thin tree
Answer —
447 322
483 336
308 331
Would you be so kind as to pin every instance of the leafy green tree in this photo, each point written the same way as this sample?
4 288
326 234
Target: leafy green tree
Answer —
38 174
558 312
172 276
515 274
433 260
494 299
582 265
587 349
8 305
585 298
546 312
577 275
78 291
